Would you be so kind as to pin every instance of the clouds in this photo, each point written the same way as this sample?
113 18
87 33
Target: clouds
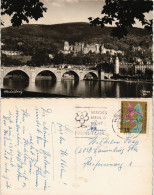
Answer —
61 3
55 2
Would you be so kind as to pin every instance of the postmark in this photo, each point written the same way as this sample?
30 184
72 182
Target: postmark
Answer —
90 121
82 117
130 120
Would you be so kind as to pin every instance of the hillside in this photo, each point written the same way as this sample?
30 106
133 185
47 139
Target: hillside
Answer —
52 37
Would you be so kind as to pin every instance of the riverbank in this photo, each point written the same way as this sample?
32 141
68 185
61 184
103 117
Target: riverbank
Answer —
122 80
15 93
128 81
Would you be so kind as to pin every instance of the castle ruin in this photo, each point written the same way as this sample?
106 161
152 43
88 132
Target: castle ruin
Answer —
80 47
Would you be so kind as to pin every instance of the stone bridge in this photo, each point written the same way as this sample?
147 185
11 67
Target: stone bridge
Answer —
56 73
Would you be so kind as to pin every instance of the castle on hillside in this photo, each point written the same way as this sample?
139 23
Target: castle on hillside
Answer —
85 48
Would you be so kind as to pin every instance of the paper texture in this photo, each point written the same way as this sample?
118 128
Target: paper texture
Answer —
50 146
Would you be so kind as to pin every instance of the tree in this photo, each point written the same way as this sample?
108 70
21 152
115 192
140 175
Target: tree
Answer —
40 57
124 14
8 61
148 73
59 58
140 72
22 10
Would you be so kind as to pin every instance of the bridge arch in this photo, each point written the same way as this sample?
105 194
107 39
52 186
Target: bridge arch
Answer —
17 72
71 72
16 75
90 75
46 73
9 70
108 75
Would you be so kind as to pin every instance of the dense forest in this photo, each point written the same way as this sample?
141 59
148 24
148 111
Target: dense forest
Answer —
49 39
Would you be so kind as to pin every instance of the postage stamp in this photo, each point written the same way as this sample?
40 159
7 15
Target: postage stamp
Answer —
133 117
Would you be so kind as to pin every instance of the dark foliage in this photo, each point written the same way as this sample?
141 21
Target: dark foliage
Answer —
22 10
124 14
40 57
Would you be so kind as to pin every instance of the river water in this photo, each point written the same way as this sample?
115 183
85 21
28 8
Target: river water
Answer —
86 88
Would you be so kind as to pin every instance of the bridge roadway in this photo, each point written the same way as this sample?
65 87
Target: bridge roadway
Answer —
57 73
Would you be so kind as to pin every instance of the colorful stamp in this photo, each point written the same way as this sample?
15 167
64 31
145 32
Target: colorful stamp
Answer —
133 117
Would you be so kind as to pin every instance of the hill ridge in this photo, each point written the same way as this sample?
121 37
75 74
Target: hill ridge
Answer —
53 36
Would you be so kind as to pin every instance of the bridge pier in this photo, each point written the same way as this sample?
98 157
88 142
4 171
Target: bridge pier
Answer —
102 76
32 76
58 75
81 76
2 78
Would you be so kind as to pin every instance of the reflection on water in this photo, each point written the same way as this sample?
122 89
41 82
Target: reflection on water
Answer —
44 83
15 82
84 88
69 86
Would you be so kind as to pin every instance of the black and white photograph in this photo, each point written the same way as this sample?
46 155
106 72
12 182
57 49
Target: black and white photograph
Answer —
77 48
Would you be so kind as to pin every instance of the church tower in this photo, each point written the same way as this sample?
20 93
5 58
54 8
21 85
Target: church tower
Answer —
116 67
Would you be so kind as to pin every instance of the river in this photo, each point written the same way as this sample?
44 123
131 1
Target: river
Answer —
85 88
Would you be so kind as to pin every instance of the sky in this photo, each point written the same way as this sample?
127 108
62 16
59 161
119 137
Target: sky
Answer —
63 11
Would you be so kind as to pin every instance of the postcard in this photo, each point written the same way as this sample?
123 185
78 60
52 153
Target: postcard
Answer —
70 49
76 108
101 147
